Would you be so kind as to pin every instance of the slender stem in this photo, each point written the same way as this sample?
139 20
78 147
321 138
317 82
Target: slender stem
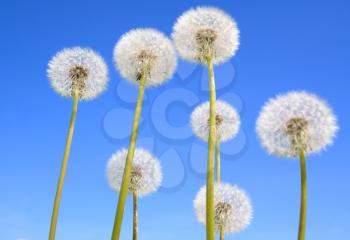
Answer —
222 233
135 227
60 183
128 164
218 179
211 148
218 165
303 199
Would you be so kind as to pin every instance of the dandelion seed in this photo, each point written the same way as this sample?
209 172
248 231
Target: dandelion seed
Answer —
233 209
78 69
145 177
145 51
227 121
203 31
296 121
146 174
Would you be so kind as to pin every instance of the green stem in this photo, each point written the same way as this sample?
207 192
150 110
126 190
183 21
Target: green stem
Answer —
60 183
303 199
128 164
218 179
218 165
135 227
222 233
211 147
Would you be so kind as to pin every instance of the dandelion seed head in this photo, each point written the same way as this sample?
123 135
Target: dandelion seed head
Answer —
205 31
296 121
78 69
232 206
146 173
227 121
145 51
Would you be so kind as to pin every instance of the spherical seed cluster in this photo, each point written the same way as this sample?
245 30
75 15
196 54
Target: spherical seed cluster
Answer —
227 121
78 69
232 206
145 51
146 173
296 121
206 31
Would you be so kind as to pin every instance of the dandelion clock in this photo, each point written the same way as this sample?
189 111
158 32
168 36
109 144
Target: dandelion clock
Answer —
144 57
207 36
145 177
227 123
82 74
295 125
232 208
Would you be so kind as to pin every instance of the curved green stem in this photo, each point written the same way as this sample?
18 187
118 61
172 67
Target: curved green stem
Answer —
303 199
134 226
60 183
211 147
218 164
128 164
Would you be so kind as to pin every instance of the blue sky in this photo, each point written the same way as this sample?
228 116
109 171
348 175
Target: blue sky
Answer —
285 45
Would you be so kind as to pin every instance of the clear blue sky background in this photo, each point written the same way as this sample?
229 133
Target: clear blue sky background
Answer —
285 45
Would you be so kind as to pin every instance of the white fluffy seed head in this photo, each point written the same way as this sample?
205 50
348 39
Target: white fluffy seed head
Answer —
232 206
206 31
146 173
296 121
145 51
79 69
227 121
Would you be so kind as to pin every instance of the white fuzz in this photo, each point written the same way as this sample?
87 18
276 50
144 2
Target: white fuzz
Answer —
296 121
232 206
145 51
78 69
227 121
204 29
146 173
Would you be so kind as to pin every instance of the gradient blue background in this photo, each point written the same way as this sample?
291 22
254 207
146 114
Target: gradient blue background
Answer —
285 45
